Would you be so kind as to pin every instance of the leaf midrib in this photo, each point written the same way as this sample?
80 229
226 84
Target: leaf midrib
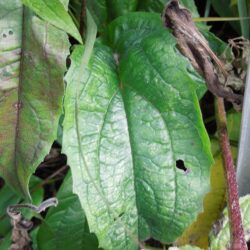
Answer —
24 191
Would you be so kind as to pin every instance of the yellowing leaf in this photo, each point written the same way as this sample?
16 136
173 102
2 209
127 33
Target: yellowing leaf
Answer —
214 202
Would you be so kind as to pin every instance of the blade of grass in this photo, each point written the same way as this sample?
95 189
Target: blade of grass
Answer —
244 24
207 8
220 19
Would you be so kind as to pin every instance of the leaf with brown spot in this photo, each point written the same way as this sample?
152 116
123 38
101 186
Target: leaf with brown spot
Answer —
32 59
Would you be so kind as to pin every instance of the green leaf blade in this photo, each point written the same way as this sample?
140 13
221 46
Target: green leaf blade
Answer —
55 13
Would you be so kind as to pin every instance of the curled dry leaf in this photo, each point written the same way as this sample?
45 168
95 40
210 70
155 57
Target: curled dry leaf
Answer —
20 235
237 66
194 46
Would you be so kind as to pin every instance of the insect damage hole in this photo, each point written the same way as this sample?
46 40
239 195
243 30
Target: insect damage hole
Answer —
119 216
180 164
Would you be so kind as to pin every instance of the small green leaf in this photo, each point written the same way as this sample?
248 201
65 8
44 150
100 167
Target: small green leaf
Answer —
222 239
55 13
33 55
65 226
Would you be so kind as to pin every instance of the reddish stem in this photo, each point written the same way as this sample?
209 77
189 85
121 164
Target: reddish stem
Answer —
236 229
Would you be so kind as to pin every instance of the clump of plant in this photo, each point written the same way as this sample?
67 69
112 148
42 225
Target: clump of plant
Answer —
116 87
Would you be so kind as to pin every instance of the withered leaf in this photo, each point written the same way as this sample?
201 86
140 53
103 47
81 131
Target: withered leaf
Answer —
195 47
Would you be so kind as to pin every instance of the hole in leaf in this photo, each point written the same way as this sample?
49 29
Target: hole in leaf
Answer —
4 35
2 182
10 32
119 216
180 164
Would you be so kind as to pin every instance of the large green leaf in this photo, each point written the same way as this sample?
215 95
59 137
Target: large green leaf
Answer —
54 12
33 55
137 122
65 226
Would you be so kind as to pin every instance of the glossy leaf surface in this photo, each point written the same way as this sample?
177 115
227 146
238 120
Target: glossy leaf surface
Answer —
137 126
33 55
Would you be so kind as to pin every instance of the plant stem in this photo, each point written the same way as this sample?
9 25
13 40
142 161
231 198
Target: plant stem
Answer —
48 179
236 228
